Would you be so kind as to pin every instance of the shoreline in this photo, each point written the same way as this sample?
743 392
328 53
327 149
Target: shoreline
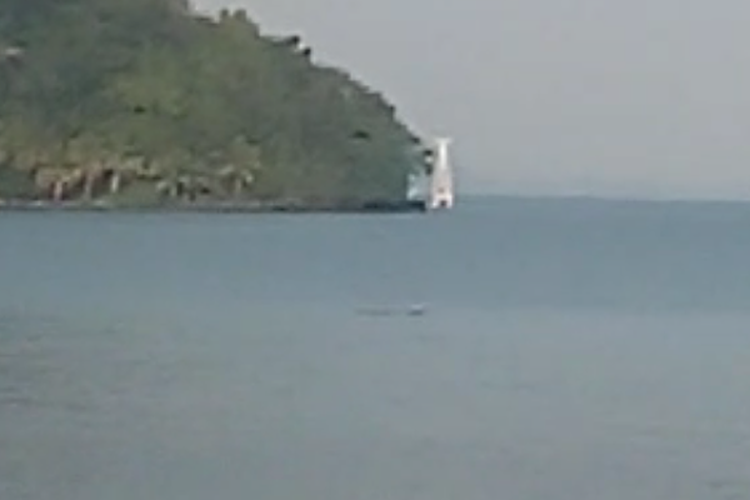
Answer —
369 207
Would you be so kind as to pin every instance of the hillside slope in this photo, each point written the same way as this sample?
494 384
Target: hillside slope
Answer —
144 101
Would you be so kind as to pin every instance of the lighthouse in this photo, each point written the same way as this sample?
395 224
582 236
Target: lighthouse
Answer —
441 182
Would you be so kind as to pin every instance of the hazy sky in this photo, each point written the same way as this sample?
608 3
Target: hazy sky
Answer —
632 97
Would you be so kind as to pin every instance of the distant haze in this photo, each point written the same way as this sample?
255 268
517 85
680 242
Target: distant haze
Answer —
645 98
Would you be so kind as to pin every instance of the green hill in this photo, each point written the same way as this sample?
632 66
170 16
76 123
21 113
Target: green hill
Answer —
136 102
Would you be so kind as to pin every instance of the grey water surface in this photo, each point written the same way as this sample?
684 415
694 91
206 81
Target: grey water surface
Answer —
510 349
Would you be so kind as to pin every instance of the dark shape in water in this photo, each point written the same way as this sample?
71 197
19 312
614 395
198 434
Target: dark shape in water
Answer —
410 311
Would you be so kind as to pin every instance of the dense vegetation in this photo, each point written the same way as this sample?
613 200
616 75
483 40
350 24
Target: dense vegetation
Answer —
144 101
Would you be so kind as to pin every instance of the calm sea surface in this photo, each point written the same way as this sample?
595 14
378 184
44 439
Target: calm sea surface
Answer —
569 350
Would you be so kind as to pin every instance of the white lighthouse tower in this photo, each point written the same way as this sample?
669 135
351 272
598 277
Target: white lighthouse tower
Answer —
441 182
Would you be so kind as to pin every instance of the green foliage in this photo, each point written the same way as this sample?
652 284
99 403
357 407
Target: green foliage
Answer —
99 97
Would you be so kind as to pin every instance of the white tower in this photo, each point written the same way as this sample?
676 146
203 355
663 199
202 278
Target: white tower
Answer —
441 185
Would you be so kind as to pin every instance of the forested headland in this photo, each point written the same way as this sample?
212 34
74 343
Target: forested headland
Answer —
147 102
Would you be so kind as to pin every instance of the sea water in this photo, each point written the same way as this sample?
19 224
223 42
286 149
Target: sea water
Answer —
563 349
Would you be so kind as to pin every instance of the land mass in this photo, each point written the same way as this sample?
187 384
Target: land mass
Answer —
147 103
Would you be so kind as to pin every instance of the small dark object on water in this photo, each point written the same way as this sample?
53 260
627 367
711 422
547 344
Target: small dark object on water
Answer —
417 310
413 310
